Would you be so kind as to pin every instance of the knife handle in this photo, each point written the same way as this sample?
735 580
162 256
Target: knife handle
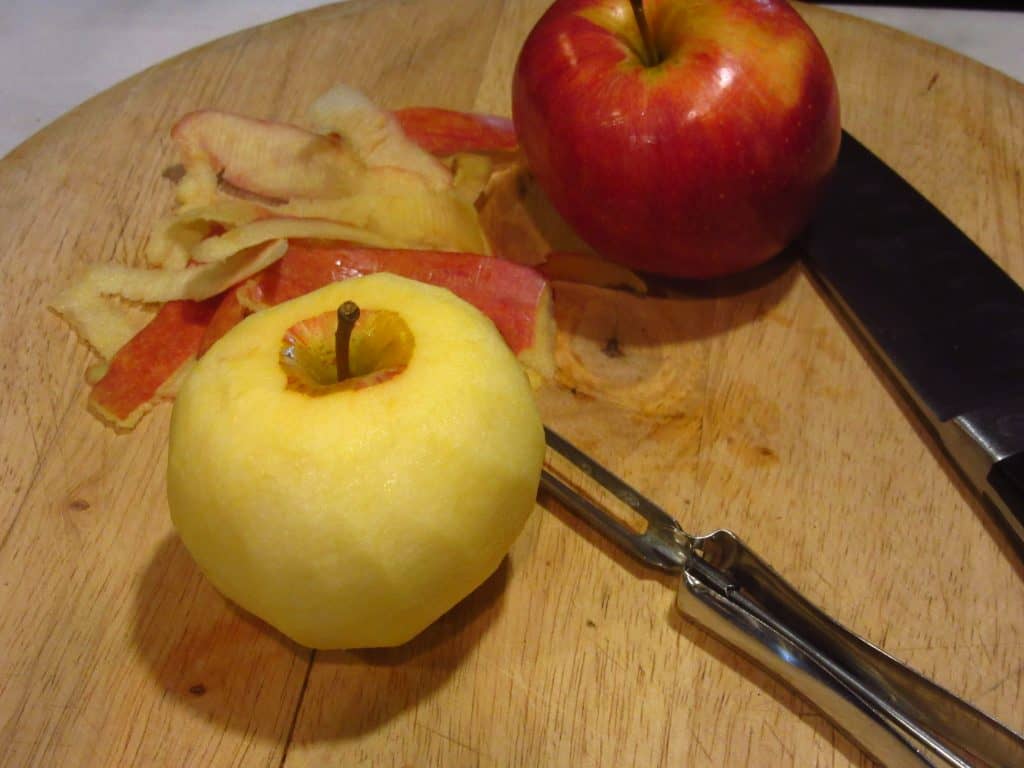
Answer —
1006 481
900 717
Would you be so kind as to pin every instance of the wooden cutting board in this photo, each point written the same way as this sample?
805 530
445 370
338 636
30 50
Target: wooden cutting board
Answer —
746 405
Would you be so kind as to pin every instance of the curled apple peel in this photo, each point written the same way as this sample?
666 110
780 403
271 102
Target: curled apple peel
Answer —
403 187
148 369
375 135
274 160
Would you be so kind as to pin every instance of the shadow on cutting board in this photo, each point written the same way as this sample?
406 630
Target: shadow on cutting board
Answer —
352 693
211 656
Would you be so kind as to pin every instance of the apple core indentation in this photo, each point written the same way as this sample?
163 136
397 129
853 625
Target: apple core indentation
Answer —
380 347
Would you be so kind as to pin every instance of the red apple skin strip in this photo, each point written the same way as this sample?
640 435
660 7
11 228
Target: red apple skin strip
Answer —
143 370
444 131
230 312
508 293
516 298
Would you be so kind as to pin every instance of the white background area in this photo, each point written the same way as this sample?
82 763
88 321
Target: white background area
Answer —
55 54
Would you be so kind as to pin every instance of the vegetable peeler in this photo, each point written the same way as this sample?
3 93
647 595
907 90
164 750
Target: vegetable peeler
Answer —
895 714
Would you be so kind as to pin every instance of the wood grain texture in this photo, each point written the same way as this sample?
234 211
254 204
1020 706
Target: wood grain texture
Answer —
747 406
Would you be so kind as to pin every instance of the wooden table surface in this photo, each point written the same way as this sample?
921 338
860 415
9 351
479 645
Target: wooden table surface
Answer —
748 405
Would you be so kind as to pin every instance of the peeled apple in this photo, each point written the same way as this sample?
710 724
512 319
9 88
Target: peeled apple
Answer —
354 513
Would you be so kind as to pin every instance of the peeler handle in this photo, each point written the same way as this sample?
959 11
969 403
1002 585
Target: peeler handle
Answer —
897 715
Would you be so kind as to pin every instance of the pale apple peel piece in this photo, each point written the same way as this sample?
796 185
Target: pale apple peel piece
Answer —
374 134
519 221
273 160
392 203
96 371
174 237
397 205
472 173
198 185
387 184
193 283
511 231
591 270
539 355
102 322
422 221
357 518
226 246
521 226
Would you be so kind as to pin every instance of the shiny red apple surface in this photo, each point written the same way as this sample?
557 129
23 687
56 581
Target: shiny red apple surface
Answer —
700 158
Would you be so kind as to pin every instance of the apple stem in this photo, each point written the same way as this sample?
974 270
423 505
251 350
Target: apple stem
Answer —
348 314
650 52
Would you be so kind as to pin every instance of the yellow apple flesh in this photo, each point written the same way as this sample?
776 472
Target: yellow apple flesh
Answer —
355 517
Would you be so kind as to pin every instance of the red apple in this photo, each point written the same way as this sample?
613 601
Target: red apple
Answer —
698 154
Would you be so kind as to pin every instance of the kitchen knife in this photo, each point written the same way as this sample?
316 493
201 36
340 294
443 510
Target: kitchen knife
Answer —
947 322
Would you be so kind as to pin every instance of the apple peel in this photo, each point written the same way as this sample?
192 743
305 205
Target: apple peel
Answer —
446 131
517 299
519 221
175 237
274 160
588 269
149 367
391 203
100 321
401 208
472 172
252 186
230 312
226 246
521 226
374 134
195 283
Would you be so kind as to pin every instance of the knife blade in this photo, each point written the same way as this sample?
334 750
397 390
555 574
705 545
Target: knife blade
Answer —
943 317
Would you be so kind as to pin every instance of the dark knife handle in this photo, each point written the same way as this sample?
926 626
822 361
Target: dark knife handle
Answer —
987 446
900 717
1006 479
